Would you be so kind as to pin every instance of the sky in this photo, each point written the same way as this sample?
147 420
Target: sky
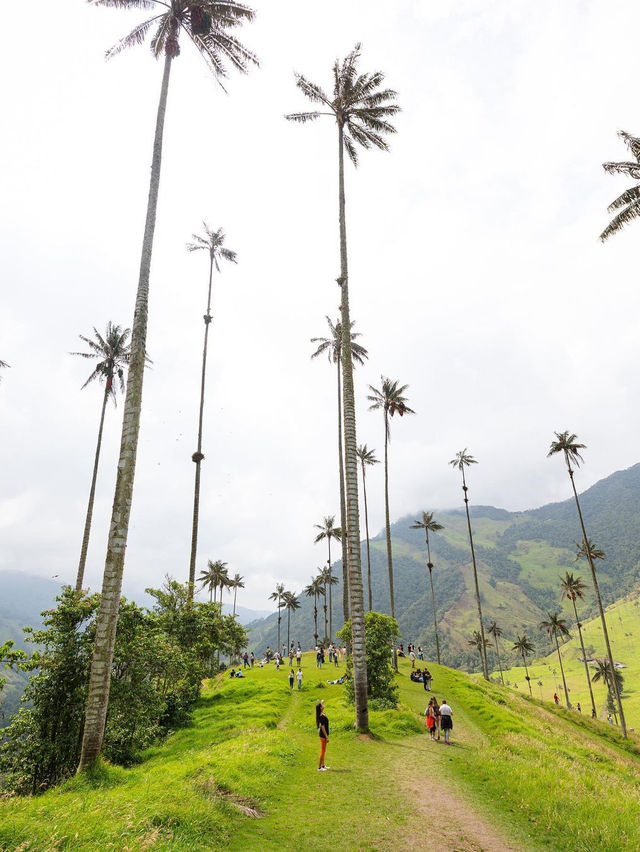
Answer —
476 274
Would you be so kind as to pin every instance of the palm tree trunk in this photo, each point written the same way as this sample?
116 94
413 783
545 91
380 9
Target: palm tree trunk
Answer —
499 662
366 527
197 456
324 639
315 618
564 682
92 493
527 674
351 471
433 597
584 657
330 601
386 514
288 627
483 651
343 505
603 620
107 619
235 595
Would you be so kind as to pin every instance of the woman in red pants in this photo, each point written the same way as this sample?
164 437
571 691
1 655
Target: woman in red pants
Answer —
322 724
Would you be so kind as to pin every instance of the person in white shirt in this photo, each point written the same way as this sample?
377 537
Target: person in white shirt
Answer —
446 721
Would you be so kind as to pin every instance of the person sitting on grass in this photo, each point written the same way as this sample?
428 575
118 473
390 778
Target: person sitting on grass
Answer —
232 673
239 673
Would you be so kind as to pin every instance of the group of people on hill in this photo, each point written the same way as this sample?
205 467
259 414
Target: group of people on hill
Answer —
439 717
424 677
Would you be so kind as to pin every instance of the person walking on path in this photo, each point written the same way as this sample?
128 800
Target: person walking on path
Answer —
291 654
436 713
431 719
446 721
292 675
299 679
412 657
299 656
322 724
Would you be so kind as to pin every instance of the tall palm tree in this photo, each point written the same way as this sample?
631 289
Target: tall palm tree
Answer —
314 590
567 444
496 632
332 347
428 524
291 603
391 399
479 642
215 577
361 109
464 459
367 457
572 589
328 580
524 647
328 531
112 352
603 673
213 243
555 625
207 24
277 595
237 582
628 204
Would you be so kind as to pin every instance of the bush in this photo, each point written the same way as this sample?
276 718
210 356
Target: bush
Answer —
379 632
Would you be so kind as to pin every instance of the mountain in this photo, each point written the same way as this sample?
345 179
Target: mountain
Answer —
520 557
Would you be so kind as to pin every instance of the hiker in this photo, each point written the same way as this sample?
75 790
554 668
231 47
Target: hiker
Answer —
292 675
610 718
299 679
412 657
446 720
245 660
252 659
420 653
319 658
555 698
322 724
431 719
578 707
436 713
291 655
299 656
427 677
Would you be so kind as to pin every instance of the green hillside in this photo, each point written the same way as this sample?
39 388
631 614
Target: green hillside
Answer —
519 776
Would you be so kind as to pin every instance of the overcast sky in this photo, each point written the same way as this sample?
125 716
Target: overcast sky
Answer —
476 274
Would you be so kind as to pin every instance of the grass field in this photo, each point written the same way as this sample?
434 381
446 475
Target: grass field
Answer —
520 775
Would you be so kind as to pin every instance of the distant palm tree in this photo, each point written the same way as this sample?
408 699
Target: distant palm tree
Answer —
215 577
328 531
554 625
367 457
567 444
277 595
479 642
291 603
572 589
213 243
464 459
603 673
206 23
332 348
361 109
428 524
524 647
112 352
628 204
314 590
391 399
496 632
235 584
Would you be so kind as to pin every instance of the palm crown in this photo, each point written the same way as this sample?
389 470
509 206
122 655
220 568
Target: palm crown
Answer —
495 630
390 397
361 108
366 456
588 550
327 530
463 459
113 352
567 443
213 242
554 625
427 523
332 346
628 204
523 646
572 587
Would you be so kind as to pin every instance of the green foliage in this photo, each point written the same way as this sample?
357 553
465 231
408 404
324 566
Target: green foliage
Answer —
379 631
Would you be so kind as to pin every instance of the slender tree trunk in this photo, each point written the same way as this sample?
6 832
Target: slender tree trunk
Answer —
483 651
288 627
564 682
499 662
387 523
584 657
235 595
315 618
433 597
330 600
351 471
198 457
343 505
527 674
107 619
279 619
603 620
366 527
92 493
325 615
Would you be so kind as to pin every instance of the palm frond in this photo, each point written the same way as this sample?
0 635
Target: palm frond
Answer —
351 150
627 197
312 91
218 45
160 37
125 4
618 222
302 117
632 143
135 37
626 168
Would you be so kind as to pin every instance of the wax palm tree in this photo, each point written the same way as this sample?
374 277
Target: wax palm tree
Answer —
208 25
628 204
555 626
603 673
112 353
291 603
464 459
428 524
361 109
367 457
237 582
332 348
391 399
328 532
277 595
572 589
524 647
213 243
215 577
479 642
314 590
567 444
496 632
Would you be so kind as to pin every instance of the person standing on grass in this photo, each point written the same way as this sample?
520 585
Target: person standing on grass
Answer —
446 721
299 656
431 719
292 675
322 724
412 657
436 714
299 679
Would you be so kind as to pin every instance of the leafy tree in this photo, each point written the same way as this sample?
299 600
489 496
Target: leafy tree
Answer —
496 632
567 444
361 109
554 625
464 459
332 347
113 352
327 532
390 398
367 457
428 524
380 631
277 595
213 243
572 589
524 647
291 604
207 24
314 590
628 204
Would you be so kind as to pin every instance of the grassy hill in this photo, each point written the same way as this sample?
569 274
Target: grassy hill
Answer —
521 775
